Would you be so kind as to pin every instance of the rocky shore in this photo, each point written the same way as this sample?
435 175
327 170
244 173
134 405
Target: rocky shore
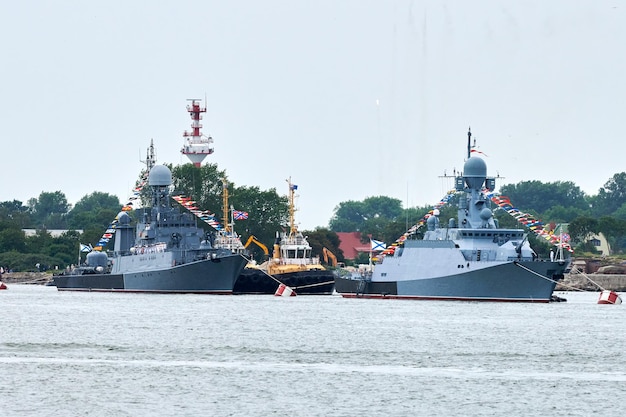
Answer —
37 278
614 282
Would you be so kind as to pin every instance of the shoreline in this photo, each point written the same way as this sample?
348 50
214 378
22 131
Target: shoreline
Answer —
34 278
613 282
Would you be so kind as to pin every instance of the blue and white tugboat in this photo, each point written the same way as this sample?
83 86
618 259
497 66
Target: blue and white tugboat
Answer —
470 258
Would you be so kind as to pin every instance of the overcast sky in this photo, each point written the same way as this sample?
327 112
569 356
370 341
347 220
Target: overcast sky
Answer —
351 99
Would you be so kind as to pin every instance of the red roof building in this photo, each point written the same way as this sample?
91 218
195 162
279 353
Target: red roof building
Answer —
350 244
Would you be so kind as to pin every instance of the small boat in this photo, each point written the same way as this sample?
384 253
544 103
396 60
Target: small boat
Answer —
291 264
3 286
469 258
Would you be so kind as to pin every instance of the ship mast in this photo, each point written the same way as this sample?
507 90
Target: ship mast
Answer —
225 216
150 156
293 229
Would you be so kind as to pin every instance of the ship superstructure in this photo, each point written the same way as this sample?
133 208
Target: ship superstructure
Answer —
197 146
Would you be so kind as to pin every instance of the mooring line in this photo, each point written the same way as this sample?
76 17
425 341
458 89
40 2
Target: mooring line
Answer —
546 278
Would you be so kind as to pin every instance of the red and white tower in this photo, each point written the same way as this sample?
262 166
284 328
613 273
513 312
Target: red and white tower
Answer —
197 146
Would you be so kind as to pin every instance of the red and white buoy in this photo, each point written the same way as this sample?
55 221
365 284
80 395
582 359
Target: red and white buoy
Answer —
284 291
2 286
197 146
609 297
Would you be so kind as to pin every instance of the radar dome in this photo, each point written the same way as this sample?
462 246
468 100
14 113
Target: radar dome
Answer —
95 259
160 176
475 167
123 218
486 214
475 172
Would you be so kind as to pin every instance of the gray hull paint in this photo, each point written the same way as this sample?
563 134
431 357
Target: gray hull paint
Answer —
216 276
503 282
468 258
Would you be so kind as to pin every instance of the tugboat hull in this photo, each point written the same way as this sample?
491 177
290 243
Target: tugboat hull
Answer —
255 281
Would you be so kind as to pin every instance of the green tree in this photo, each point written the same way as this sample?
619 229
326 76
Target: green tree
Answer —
38 242
324 238
204 185
348 216
620 213
364 216
25 261
12 239
15 214
560 214
49 210
268 213
581 228
541 196
393 230
610 197
64 250
95 210
614 230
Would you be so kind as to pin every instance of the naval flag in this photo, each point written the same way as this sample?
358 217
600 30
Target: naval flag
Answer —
240 215
85 248
378 245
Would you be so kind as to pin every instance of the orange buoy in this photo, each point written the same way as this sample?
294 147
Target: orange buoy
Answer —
609 297
2 286
284 291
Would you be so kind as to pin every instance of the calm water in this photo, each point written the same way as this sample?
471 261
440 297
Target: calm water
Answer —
88 354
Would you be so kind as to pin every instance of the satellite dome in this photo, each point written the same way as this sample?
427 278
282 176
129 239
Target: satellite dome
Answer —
96 258
123 218
160 176
486 214
475 167
475 172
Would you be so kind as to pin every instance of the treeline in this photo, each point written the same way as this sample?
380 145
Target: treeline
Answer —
88 219
382 218
553 202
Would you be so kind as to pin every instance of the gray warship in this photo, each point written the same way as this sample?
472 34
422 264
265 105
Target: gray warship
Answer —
166 252
470 258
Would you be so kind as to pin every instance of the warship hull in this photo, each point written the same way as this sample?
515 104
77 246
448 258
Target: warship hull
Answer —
210 276
524 281
314 282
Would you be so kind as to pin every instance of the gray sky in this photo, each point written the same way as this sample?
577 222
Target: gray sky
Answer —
351 99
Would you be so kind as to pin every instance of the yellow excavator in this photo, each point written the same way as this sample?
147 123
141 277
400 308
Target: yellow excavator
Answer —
253 239
328 255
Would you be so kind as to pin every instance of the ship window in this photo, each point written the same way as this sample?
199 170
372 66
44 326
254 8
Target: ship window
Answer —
482 234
